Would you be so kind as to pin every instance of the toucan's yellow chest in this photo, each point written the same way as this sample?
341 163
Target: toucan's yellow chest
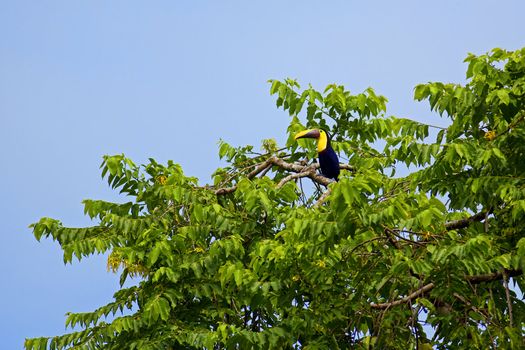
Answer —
322 141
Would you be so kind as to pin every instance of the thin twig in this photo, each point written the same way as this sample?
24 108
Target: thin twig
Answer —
365 242
512 125
265 171
473 307
406 239
507 294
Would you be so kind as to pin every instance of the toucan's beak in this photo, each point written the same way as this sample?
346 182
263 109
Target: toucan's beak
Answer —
308 134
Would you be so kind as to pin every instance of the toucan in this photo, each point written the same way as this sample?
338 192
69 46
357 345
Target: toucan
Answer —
327 157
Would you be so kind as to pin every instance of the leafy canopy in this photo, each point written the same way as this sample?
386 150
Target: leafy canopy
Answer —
261 259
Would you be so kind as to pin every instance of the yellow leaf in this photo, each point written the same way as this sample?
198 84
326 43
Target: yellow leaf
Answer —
321 264
161 179
490 135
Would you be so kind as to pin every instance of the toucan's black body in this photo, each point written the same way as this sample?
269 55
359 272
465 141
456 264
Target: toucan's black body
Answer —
329 163
328 159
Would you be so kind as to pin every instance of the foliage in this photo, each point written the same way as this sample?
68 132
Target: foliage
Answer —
372 261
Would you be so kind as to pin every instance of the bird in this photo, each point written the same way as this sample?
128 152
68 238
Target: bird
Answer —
328 159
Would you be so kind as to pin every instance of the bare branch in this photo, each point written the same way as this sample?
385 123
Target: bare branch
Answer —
293 177
323 197
346 167
413 295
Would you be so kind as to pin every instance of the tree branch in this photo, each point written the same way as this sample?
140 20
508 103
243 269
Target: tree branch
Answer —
294 176
388 233
323 197
489 277
297 170
462 223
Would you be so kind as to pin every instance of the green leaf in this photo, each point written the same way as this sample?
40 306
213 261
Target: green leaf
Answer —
154 255
503 96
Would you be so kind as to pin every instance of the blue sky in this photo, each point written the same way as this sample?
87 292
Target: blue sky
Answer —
167 79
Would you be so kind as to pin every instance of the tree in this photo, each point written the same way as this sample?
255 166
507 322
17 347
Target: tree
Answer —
263 259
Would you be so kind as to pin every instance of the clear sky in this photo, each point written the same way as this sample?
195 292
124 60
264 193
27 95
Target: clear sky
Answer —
167 79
